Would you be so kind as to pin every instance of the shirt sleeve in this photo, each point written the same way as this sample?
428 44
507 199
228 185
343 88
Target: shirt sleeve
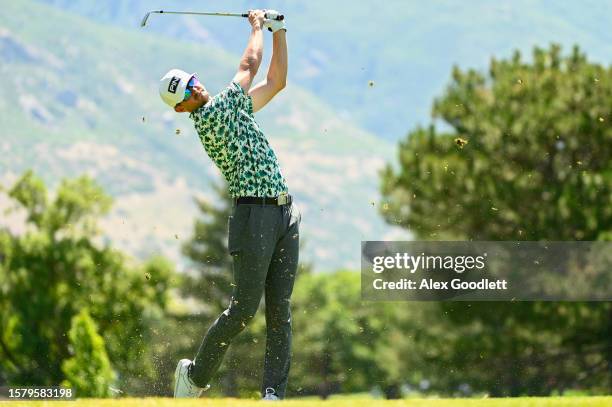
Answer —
238 98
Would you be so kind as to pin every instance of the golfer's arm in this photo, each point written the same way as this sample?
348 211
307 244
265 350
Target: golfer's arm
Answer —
251 59
276 79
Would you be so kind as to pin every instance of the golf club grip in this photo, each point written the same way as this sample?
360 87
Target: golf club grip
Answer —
279 17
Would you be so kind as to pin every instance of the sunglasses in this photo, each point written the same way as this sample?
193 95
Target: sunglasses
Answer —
188 90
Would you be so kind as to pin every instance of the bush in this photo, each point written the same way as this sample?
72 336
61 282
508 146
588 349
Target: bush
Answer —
88 371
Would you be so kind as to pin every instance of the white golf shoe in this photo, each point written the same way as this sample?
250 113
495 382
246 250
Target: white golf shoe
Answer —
270 395
183 386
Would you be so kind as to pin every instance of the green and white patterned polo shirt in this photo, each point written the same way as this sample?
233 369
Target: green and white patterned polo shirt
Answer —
233 140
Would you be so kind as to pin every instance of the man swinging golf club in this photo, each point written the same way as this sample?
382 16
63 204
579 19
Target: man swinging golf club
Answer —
264 224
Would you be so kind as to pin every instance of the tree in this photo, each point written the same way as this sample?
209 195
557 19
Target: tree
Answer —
536 133
88 372
527 157
345 345
55 269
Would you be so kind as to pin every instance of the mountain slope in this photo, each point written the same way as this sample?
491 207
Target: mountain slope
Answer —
82 97
405 47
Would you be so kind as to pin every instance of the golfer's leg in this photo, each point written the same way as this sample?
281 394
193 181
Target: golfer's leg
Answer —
251 260
279 286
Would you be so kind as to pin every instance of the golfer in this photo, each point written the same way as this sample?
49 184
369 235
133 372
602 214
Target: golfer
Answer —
264 224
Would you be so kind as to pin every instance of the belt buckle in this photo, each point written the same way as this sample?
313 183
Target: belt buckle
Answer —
282 199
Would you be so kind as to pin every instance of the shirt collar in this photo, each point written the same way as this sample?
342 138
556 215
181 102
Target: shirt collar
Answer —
193 114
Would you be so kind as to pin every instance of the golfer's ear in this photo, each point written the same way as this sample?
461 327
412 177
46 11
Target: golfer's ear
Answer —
179 108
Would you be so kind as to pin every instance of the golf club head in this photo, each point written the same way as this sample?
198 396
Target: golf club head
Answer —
144 19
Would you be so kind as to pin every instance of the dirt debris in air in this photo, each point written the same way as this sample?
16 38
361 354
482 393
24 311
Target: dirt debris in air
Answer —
461 142
177 132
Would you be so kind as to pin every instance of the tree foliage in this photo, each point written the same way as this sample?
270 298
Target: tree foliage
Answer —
537 160
56 268
525 154
345 345
88 372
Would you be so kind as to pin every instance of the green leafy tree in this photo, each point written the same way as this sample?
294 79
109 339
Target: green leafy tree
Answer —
344 345
88 372
54 269
335 336
326 329
525 155
399 340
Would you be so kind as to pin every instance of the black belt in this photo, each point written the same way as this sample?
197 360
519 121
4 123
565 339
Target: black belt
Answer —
275 200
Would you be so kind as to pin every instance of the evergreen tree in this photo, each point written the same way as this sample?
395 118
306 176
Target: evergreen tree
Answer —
88 372
524 154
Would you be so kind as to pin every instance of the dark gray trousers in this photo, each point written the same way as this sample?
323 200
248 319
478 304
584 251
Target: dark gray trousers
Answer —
264 243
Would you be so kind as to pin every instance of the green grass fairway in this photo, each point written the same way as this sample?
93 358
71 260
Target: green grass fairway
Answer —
161 402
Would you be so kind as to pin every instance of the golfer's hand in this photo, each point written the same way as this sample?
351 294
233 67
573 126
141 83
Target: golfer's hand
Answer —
256 18
271 24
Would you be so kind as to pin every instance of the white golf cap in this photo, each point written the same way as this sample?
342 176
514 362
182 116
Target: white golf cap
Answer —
172 86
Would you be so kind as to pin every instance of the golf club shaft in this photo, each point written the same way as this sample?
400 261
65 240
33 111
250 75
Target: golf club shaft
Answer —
146 17
201 14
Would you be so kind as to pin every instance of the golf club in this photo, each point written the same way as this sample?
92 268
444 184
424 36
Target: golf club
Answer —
146 17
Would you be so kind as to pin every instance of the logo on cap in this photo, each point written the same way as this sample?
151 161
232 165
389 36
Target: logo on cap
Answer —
173 84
